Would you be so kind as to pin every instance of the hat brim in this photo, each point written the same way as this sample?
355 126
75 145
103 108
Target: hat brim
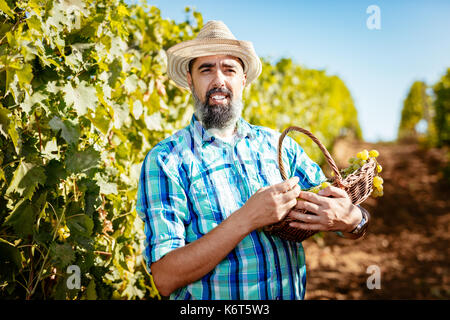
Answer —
178 57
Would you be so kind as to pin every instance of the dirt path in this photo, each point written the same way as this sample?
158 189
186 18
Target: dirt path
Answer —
408 238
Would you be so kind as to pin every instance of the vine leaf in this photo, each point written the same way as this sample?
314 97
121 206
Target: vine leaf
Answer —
22 218
131 83
105 186
54 172
91 294
35 98
6 9
121 112
70 130
101 120
10 258
51 149
4 120
26 178
62 254
82 97
82 161
80 225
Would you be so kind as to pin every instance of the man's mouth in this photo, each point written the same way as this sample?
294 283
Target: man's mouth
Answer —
219 97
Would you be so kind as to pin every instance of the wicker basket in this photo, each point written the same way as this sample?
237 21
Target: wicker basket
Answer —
358 185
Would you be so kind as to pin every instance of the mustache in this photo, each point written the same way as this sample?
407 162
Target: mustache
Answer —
221 90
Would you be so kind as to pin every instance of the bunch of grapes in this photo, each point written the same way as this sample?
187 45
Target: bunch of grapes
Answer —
355 164
361 159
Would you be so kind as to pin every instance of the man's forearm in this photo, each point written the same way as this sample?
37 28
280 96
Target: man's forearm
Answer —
189 263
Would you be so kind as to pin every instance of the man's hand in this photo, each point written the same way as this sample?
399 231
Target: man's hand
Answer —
331 214
270 204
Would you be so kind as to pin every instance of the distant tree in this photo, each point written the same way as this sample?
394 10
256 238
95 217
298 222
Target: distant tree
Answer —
416 110
442 109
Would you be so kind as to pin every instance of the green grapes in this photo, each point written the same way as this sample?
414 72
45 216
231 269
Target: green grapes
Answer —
360 160
355 164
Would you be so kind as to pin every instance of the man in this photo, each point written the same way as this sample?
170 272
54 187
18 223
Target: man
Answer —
206 192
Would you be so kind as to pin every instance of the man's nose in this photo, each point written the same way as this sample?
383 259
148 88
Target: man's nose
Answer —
219 79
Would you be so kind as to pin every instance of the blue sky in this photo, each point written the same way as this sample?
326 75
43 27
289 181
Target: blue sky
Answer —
378 66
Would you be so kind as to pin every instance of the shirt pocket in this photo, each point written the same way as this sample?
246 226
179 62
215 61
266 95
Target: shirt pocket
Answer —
269 173
205 201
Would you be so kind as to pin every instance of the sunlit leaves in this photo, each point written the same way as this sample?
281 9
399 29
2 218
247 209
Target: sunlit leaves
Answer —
82 161
30 101
70 130
4 8
121 112
50 150
77 88
4 121
82 97
26 179
105 186
131 83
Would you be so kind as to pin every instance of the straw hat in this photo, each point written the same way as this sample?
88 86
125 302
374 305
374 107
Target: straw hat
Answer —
213 39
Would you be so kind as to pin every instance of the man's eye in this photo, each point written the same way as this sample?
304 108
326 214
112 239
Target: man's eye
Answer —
204 70
231 70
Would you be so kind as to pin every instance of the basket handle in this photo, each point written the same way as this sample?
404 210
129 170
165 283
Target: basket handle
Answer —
331 163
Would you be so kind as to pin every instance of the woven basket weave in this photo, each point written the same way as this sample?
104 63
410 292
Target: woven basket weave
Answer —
358 185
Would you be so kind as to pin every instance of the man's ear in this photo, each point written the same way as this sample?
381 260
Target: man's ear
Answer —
244 80
189 79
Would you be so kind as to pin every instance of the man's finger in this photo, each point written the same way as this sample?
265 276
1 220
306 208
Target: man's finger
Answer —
304 217
309 206
286 185
334 192
307 226
291 194
288 206
312 197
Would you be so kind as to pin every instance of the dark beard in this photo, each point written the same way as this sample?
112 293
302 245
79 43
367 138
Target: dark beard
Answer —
217 116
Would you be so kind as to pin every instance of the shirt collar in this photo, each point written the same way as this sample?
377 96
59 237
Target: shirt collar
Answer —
244 129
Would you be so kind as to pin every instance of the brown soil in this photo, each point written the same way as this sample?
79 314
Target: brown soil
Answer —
408 238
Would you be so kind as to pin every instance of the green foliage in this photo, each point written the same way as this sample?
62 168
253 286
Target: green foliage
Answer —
302 97
433 109
416 107
442 109
83 97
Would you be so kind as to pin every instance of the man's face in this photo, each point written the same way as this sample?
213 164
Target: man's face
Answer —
217 83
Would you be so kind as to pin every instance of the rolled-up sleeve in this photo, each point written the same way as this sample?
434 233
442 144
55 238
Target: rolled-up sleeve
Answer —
162 204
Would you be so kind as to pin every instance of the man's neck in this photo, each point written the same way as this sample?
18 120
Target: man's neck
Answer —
225 133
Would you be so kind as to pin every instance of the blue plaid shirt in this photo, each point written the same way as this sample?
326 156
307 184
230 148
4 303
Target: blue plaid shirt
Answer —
192 181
